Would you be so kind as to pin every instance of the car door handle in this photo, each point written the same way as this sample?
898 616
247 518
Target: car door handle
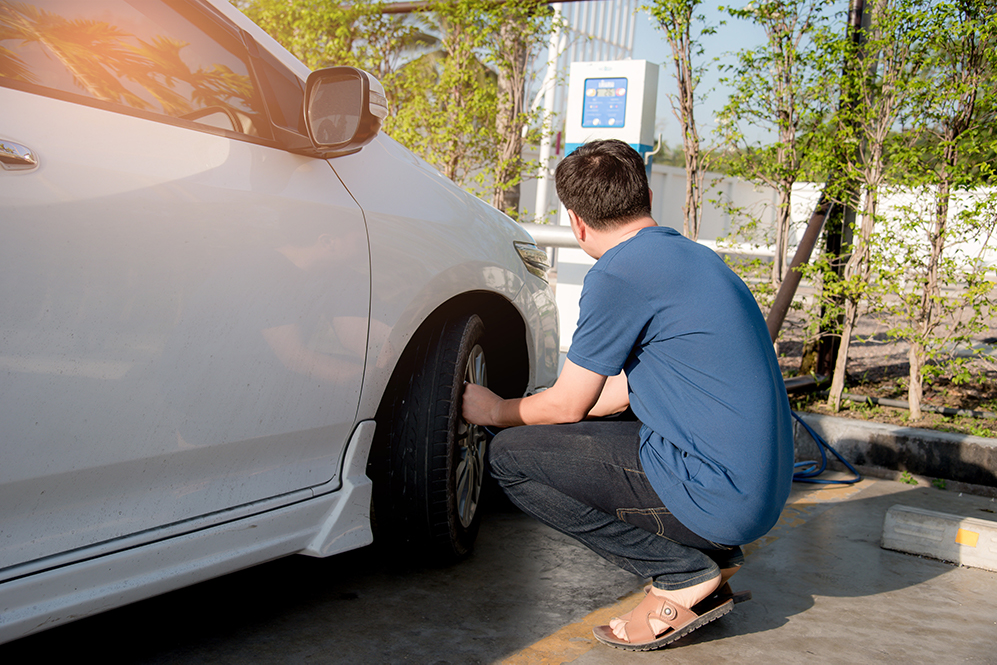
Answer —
16 157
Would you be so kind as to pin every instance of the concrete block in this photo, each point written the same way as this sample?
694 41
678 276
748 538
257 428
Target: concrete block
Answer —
965 540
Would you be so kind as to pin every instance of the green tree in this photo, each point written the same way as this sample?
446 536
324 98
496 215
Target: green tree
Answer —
455 77
447 113
886 71
326 33
676 18
777 87
466 111
522 30
954 122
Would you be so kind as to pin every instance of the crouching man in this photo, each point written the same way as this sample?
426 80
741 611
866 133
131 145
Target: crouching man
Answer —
667 467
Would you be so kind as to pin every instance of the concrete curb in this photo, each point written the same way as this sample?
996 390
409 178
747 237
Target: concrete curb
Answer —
967 463
968 541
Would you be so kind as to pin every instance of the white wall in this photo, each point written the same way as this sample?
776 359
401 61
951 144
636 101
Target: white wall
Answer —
668 190
668 196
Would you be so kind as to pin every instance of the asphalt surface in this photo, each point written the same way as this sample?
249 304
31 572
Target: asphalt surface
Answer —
824 591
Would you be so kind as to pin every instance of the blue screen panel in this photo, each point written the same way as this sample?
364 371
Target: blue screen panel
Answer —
605 103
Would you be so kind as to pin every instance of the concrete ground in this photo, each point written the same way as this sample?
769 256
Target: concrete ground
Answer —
824 592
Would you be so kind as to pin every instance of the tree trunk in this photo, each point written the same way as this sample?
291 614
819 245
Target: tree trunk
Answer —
783 218
681 44
690 143
691 214
840 363
511 105
915 389
857 267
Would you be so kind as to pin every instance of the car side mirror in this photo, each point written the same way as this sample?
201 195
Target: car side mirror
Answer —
344 107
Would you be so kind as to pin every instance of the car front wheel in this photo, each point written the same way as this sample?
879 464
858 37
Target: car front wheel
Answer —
428 465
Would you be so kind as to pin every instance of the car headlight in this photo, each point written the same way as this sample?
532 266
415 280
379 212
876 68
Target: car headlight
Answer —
534 258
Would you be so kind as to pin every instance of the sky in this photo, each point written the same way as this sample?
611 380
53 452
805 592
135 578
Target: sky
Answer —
650 44
731 36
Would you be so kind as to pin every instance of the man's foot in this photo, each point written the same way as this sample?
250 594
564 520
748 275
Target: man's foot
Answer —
660 619
686 597
727 573
724 589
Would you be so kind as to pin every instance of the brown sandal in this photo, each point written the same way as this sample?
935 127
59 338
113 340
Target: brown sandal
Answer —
722 593
680 621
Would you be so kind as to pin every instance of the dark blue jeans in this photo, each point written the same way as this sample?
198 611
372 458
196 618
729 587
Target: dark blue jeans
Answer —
585 480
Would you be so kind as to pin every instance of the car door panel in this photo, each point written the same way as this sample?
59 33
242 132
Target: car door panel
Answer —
138 385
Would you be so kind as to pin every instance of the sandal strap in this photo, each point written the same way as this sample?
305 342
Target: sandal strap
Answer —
675 616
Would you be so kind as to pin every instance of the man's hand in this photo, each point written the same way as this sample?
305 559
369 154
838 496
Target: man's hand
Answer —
569 400
479 405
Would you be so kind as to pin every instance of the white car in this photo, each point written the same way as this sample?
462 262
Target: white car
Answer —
229 326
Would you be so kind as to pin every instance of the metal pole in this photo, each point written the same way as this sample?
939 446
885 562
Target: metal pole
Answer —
777 315
838 239
550 88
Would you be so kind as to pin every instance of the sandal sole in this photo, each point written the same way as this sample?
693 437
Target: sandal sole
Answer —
711 609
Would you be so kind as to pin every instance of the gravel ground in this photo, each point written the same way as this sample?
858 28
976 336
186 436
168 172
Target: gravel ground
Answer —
878 367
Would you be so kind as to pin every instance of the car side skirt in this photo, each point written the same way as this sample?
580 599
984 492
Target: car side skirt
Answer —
317 524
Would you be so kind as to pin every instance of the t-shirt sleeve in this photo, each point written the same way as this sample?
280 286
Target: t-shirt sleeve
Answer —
612 316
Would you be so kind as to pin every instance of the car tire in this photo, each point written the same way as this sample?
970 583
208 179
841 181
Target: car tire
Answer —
429 466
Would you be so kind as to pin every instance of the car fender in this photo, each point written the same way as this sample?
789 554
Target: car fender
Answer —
429 243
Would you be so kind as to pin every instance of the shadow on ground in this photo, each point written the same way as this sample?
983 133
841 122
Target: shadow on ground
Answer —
820 581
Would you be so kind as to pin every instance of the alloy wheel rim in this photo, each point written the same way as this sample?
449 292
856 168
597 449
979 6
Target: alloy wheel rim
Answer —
472 443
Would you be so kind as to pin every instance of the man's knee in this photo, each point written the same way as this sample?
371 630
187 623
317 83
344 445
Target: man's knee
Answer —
507 453
499 461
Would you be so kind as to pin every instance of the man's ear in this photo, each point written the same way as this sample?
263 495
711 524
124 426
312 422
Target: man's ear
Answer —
577 225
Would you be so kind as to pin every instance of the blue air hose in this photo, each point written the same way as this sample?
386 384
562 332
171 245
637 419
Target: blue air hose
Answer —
810 470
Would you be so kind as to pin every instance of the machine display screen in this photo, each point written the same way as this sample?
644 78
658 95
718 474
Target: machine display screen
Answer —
605 102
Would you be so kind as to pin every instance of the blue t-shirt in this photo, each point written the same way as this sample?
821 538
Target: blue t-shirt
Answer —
717 442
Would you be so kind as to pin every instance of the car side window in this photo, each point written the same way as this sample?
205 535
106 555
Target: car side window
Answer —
147 56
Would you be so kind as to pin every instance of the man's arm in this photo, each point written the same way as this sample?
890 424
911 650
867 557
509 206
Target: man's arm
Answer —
571 398
615 397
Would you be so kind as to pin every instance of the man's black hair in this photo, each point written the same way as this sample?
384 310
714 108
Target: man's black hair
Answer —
604 183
